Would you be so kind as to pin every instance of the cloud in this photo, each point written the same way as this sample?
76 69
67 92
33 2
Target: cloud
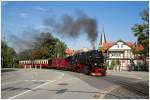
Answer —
45 10
41 9
24 15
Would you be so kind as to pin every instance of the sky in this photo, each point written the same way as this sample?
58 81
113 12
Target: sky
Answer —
116 18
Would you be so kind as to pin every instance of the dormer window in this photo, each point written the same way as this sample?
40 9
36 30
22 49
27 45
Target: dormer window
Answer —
118 45
121 45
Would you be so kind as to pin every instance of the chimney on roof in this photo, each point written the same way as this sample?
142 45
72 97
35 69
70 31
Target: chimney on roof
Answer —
103 38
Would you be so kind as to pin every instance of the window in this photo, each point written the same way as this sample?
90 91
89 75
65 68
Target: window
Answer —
121 45
118 45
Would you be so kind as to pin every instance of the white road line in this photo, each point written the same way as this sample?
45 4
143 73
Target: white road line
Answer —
36 87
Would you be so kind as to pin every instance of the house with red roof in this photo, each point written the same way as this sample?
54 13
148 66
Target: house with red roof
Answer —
121 51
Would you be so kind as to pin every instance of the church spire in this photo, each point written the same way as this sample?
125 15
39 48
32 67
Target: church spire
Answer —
102 38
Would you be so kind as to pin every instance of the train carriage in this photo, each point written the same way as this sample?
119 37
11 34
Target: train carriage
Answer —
25 63
42 63
59 63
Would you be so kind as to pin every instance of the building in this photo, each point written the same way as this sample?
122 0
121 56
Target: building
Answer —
120 52
71 52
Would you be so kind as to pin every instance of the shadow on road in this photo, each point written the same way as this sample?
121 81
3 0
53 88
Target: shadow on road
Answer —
7 70
58 91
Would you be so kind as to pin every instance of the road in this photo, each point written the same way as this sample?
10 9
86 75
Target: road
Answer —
56 84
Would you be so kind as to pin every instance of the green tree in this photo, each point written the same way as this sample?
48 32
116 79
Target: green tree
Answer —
113 64
141 31
45 46
60 47
118 63
8 55
48 46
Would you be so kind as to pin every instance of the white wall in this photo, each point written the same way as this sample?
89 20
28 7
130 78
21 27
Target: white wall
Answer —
120 46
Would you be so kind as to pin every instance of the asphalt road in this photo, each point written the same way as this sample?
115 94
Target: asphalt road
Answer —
56 84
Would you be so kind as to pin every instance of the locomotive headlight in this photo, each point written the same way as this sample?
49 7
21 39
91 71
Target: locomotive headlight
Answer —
95 64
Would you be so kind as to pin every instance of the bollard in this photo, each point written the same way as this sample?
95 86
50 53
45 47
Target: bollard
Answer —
25 67
30 66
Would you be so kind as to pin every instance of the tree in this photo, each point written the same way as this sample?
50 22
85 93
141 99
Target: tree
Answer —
8 55
60 48
113 64
45 46
48 46
141 31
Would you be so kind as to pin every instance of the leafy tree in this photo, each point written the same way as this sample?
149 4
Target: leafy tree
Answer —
26 54
141 31
113 64
45 46
8 55
118 63
60 47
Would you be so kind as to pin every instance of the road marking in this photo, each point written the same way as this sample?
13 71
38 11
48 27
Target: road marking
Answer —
37 87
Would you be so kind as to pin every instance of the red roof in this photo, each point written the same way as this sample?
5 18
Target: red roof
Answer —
131 44
107 45
139 48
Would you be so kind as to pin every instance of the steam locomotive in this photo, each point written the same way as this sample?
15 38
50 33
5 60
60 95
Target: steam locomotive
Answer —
90 63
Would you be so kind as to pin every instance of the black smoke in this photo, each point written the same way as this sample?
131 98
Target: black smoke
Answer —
72 26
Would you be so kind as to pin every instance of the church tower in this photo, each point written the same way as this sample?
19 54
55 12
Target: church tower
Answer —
102 38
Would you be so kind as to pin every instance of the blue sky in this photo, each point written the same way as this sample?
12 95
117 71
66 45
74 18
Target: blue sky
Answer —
116 18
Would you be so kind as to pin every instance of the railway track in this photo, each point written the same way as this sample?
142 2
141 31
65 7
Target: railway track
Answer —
134 87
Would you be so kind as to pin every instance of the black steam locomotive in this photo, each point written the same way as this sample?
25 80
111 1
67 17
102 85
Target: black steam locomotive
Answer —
91 62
